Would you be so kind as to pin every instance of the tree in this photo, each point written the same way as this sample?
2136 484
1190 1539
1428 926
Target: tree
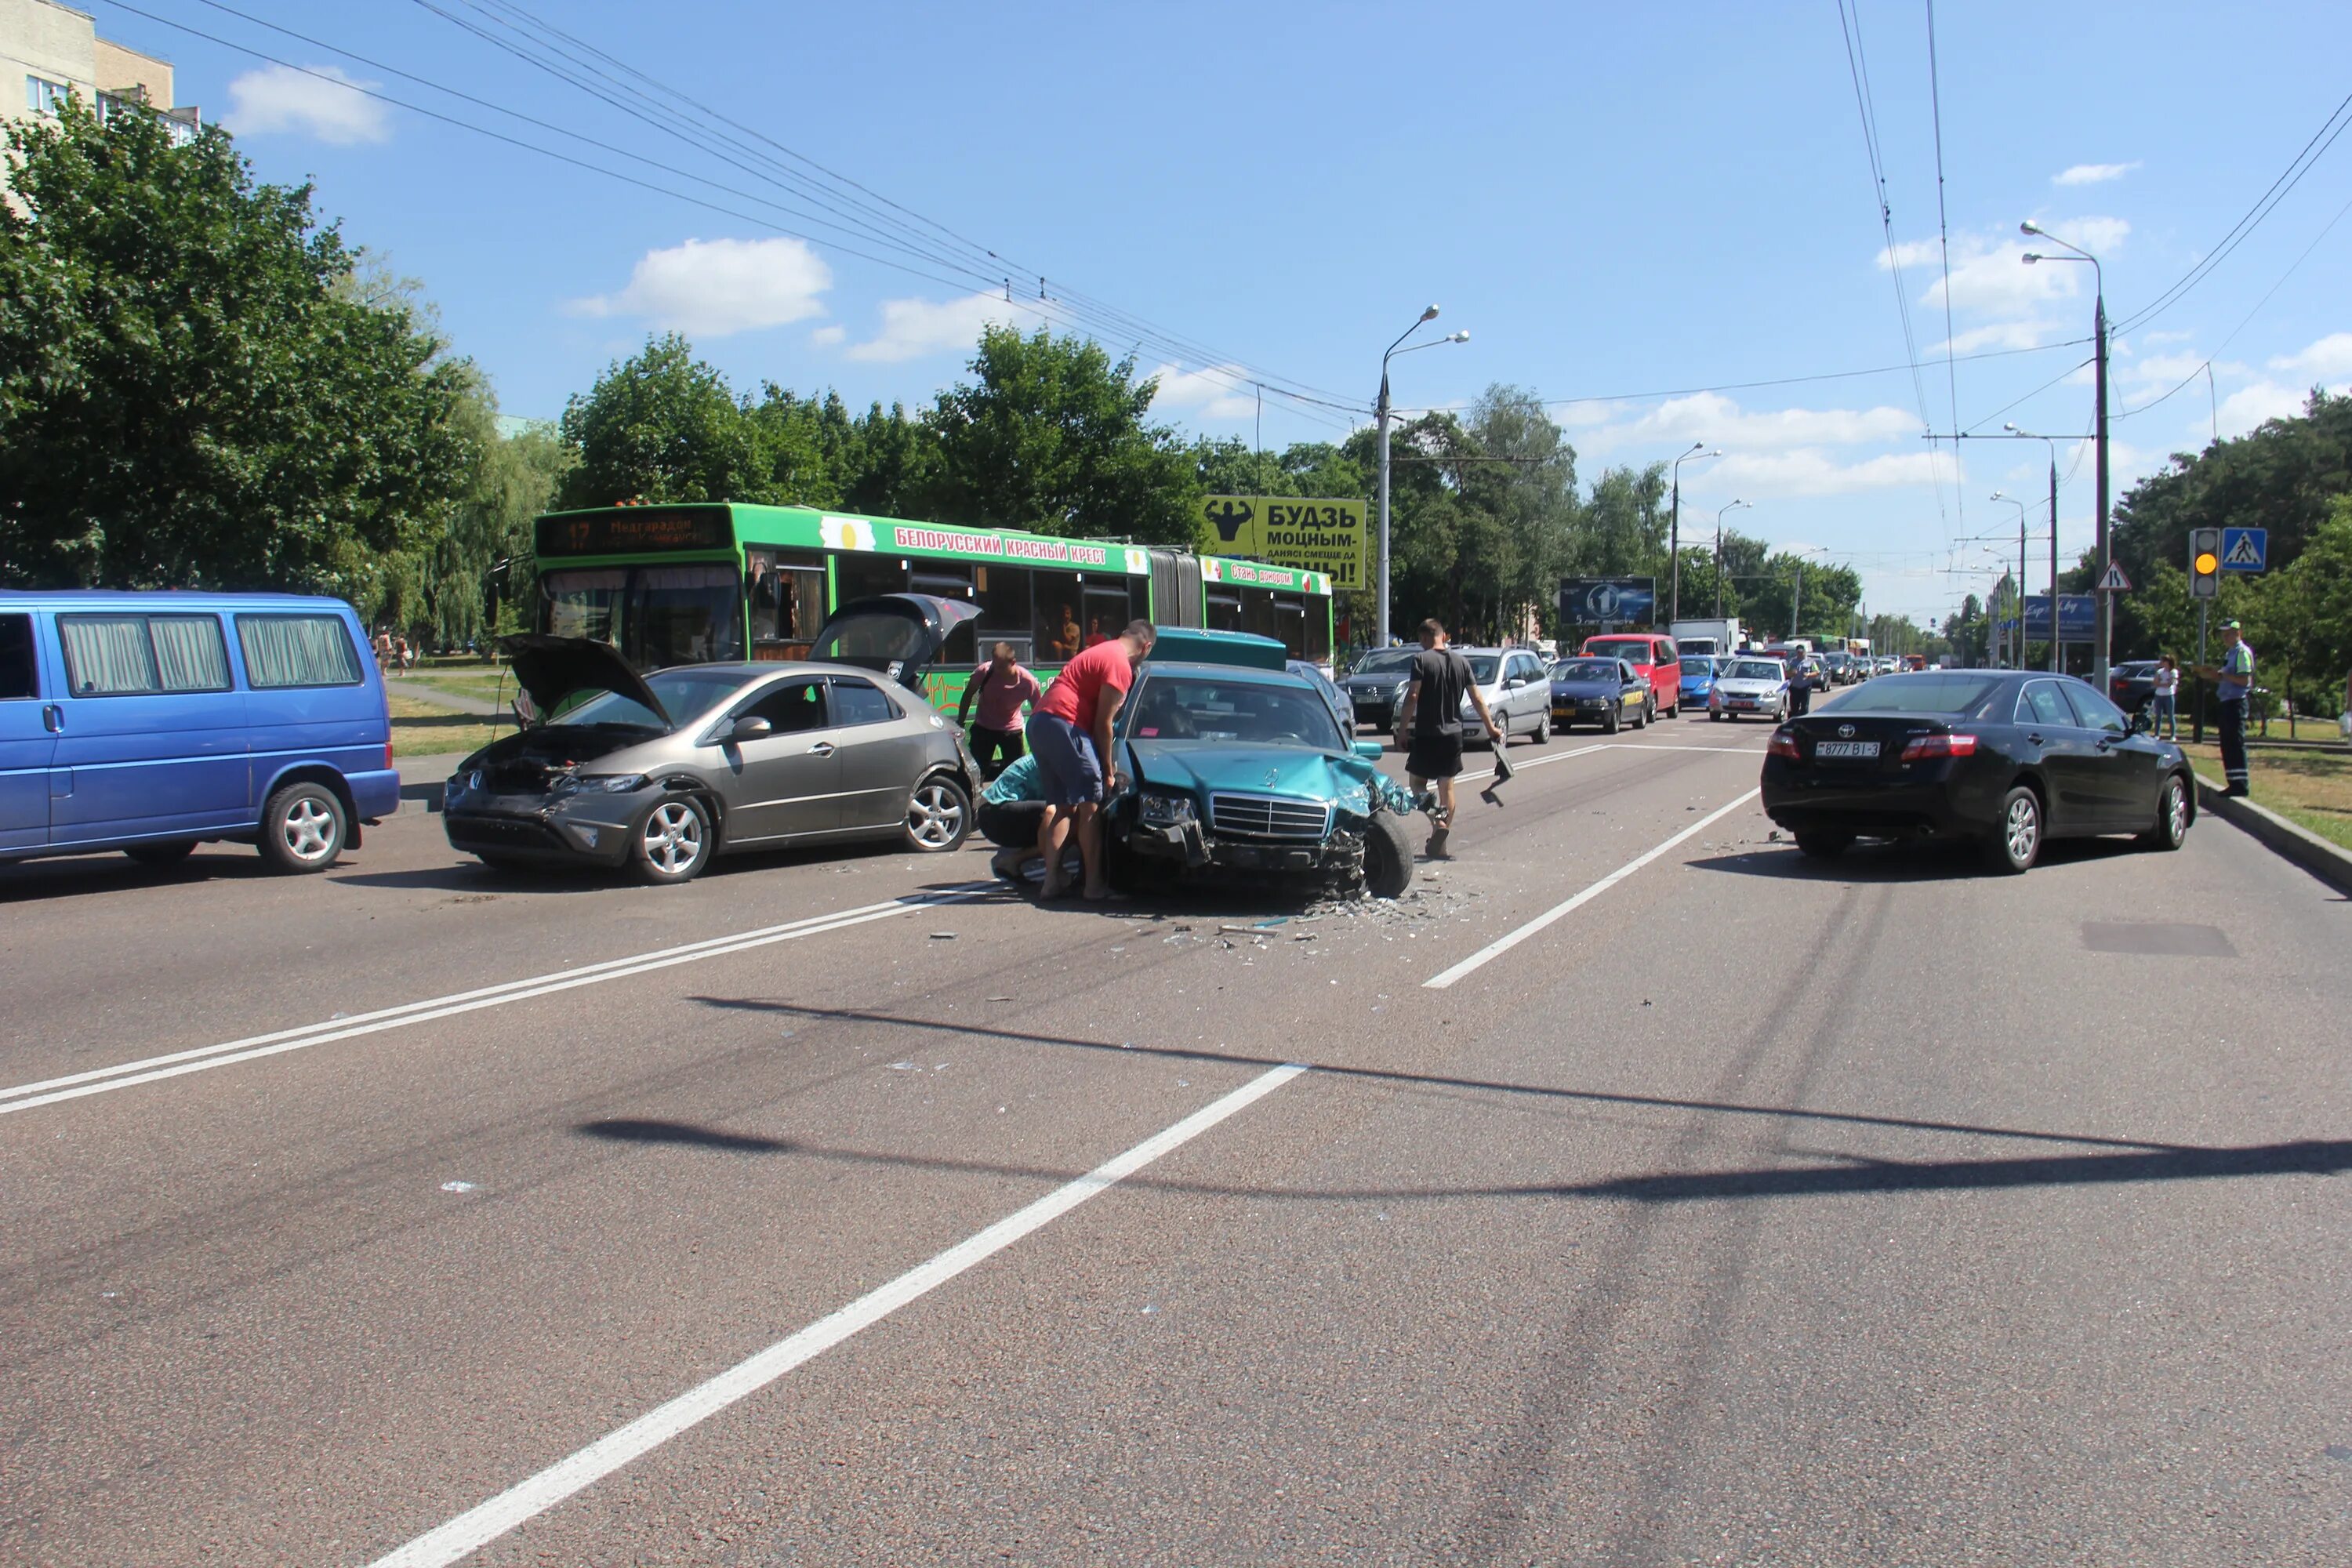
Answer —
664 426
1052 435
190 394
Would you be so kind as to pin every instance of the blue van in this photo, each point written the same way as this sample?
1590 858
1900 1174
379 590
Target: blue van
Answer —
153 723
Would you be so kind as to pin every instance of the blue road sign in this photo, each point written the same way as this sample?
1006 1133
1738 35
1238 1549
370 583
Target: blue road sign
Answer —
2078 617
2245 548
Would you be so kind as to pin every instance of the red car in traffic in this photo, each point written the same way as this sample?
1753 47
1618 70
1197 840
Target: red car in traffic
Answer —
1657 659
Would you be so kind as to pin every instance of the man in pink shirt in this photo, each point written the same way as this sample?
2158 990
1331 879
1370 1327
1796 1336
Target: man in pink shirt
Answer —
1002 687
1069 732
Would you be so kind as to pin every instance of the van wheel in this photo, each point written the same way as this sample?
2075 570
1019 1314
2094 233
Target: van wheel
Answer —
674 844
938 816
170 853
1388 856
302 828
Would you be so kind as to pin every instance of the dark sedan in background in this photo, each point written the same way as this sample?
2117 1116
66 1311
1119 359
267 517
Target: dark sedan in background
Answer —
2131 684
2006 759
1607 693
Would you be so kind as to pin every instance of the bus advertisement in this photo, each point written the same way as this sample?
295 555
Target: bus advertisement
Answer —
714 583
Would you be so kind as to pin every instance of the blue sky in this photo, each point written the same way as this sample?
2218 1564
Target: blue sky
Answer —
1614 200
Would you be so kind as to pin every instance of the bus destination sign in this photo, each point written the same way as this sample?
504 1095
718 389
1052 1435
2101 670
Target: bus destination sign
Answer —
627 529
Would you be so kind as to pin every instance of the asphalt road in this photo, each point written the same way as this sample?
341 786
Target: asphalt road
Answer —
1748 1211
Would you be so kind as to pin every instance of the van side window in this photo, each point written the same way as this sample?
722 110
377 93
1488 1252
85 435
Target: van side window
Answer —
19 674
296 650
191 655
130 656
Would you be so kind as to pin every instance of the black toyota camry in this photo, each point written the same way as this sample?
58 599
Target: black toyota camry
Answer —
2005 759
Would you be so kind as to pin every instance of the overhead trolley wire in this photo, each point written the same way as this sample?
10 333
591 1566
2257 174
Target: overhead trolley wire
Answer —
1943 249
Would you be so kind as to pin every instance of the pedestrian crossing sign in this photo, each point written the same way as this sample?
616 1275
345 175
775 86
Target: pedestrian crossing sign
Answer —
2245 548
2114 582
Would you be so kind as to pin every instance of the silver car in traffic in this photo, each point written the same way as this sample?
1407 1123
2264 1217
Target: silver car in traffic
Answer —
660 773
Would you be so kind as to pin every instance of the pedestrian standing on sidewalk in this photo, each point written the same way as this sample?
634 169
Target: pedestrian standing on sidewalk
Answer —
2234 684
1002 687
382 652
1070 735
1431 720
2168 697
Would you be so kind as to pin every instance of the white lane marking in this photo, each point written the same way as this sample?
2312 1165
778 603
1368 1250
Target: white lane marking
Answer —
526 1499
201 1058
1653 746
1504 944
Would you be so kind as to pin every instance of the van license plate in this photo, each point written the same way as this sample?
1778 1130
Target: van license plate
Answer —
1848 749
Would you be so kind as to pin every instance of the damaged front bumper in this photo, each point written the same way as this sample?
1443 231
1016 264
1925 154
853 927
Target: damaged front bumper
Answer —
1197 849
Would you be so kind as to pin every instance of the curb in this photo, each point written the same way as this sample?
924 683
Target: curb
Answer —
2283 838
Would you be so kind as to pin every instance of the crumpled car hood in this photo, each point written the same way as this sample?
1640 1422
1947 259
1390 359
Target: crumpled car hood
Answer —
1300 773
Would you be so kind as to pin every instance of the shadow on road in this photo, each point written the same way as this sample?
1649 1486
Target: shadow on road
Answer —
1903 862
468 875
106 871
625 1129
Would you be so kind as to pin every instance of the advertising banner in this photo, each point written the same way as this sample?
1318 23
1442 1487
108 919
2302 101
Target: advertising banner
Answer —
1318 534
1608 601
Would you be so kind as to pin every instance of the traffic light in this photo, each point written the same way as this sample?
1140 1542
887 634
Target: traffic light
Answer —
2204 562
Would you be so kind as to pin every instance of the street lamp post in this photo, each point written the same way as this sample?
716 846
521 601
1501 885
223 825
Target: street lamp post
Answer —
2103 601
1718 555
1797 600
2052 444
1675 539
2020 658
1382 416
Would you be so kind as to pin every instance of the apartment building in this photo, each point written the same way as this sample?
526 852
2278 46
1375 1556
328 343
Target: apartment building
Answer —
47 51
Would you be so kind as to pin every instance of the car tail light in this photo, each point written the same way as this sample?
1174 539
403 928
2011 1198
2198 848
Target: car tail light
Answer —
1784 744
1925 747
387 756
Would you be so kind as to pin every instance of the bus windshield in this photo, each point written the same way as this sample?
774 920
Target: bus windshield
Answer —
656 616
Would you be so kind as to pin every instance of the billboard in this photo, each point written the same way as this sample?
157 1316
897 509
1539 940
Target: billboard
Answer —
1608 601
1317 533
2078 618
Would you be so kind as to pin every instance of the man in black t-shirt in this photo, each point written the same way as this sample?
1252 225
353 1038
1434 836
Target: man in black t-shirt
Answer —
1431 721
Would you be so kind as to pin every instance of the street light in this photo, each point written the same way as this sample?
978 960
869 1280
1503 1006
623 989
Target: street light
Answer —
2105 601
2052 444
1797 601
1718 556
1675 541
2020 580
1394 350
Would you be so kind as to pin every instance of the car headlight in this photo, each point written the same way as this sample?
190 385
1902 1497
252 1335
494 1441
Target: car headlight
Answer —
1165 810
598 783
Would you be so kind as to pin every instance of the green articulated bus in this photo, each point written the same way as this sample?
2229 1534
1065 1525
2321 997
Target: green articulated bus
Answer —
720 582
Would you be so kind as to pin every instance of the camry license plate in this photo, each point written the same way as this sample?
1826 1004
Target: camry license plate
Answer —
1846 749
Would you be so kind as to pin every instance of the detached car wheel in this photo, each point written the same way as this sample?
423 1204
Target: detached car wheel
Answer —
302 828
675 842
938 816
2017 834
2171 816
1388 856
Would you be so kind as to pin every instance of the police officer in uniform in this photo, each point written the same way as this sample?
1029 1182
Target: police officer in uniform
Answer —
2234 684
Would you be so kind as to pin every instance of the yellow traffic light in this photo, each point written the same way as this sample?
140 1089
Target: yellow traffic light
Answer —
2207 564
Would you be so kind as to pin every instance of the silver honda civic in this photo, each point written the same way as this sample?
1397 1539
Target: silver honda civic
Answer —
662 771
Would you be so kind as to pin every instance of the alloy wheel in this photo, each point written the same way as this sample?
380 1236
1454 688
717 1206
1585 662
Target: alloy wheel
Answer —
309 830
2176 810
2022 828
672 838
935 815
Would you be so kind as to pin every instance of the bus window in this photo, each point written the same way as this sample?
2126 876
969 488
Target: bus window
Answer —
1106 610
857 575
1257 612
585 604
1290 624
1317 613
787 604
683 615
1057 631
944 582
1003 609
1224 610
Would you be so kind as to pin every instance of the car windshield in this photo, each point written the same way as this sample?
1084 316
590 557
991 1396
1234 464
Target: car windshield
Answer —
1585 669
1482 668
684 692
1256 712
1631 652
1385 661
1952 691
1699 666
1754 669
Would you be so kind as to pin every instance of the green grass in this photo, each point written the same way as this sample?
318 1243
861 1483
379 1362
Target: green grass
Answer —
2310 789
421 730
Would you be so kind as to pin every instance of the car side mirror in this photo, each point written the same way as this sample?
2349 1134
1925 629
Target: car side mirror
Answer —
749 728
1370 750
1515 683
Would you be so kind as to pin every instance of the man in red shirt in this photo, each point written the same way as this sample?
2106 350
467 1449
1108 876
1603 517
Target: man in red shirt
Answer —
1069 734
1001 687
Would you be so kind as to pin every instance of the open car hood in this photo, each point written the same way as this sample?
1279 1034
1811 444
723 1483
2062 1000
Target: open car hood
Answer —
893 635
551 669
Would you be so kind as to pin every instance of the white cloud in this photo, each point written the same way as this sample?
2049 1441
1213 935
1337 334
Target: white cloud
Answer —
712 288
2022 333
1718 421
1809 472
2250 405
1990 275
1221 391
825 337
2092 174
2181 337
914 327
316 100
2330 356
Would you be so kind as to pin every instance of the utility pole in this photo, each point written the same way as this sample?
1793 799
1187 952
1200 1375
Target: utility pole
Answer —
1675 539
1381 413
2103 600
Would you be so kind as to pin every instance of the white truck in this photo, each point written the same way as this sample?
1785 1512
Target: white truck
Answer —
1708 637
